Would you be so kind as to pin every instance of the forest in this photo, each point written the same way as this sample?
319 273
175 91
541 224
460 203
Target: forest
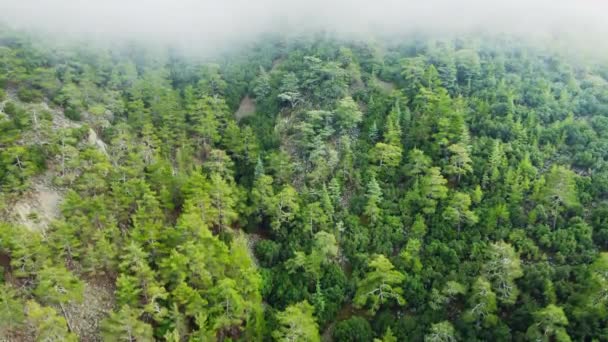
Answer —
310 188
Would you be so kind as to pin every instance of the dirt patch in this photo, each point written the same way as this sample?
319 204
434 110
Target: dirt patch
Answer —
37 208
246 108
85 318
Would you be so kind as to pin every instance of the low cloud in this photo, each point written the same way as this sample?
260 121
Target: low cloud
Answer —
206 23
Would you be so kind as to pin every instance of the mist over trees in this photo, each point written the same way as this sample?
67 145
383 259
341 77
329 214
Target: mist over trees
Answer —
206 27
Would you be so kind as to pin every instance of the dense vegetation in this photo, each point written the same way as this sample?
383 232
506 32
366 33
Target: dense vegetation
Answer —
435 190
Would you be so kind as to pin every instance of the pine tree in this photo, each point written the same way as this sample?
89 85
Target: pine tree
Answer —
221 213
392 129
458 211
550 324
441 332
379 285
297 323
482 303
283 208
559 191
348 115
11 312
502 268
124 325
374 199
460 162
46 324
373 133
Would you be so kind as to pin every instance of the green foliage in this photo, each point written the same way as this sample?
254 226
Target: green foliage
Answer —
57 285
502 268
482 303
467 175
324 250
549 324
11 311
458 210
374 198
379 285
348 114
559 191
297 323
441 332
388 336
46 324
386 155
460 162
352 330
124 325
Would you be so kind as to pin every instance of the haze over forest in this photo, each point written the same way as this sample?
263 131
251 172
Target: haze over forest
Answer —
205 25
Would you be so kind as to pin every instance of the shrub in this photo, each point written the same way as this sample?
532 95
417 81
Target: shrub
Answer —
354 329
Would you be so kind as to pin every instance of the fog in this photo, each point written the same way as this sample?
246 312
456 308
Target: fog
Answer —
205 24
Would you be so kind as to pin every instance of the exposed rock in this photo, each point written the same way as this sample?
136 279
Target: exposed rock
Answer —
36 209
93 139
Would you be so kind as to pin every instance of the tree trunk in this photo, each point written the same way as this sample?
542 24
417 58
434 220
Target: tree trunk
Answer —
67 318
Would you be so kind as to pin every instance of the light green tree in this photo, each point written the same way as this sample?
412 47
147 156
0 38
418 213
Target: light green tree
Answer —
386 155
387 337
559 191
441 332
324 250
460 161
47 324
297 323
432 189
379 285
221 213
348 114
374 198
482 303
11 311
57 285
549 325
502 268
459 211
283 207
124 325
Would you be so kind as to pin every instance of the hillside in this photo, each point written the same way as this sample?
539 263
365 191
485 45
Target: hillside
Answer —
303 189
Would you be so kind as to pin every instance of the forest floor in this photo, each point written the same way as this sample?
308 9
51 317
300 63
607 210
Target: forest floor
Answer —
85 317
